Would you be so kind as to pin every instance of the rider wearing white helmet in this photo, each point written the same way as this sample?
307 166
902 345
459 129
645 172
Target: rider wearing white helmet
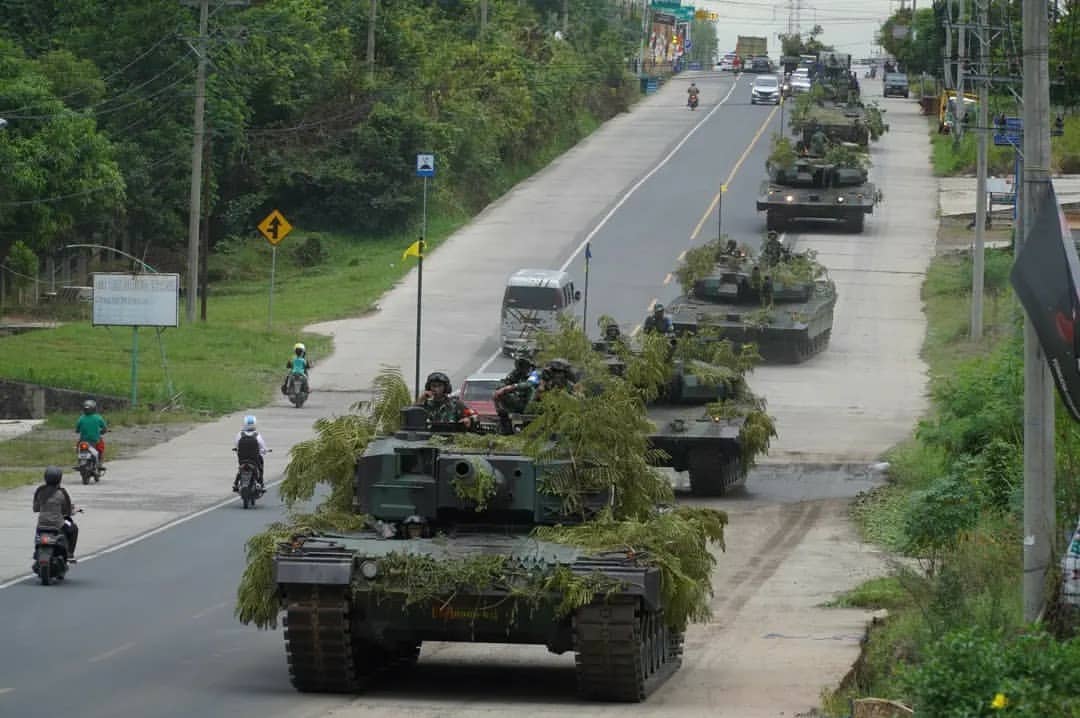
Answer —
249 446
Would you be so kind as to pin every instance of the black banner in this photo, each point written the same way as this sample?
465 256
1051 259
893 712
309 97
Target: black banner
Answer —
1046 276
663 18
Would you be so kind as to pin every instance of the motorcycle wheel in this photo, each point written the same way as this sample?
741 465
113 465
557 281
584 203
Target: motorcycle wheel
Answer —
45 574
85 477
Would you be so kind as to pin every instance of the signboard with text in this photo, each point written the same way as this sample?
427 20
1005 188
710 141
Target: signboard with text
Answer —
136 300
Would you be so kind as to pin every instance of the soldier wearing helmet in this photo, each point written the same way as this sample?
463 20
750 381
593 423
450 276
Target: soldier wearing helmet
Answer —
658 321
53 506
523 367
90 426
440 406
518 387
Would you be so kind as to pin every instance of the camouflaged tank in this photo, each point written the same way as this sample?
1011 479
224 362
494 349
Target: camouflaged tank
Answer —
709 449
347 617
783 302
811 188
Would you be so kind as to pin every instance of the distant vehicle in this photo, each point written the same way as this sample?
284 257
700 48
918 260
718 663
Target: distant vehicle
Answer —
759 65
533 301
747 46
896 83
477 390
800 82
766 89
727 62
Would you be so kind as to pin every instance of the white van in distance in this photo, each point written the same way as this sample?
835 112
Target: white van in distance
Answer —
534 299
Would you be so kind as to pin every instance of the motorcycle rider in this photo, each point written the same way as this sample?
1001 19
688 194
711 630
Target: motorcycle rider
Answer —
53 506
692 93
249 446
441 407
90 426
297 366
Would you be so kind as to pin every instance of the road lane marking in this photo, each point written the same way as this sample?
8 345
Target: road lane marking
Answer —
668 278
629 193
653 303
731 175
681 257
142 537
5 690
637 330
205 611
109 654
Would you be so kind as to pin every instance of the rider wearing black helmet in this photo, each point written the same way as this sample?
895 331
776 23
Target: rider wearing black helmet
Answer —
441 407
523 367
53 506
658 321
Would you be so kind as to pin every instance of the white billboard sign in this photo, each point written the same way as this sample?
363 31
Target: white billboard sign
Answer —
136 300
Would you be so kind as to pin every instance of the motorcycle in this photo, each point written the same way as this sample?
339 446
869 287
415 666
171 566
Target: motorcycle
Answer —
248 482
692 102
294 389
51 560
88 467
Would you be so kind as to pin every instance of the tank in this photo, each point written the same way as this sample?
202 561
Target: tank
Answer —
347 618
782 301
810 188
708 449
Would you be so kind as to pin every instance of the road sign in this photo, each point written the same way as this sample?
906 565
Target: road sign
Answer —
275 227
425 165
1011 134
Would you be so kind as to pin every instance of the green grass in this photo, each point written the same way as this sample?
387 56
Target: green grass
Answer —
876 593
13 478
947 296
950 158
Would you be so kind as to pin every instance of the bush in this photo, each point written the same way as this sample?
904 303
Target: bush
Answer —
937 517
975 672
311 252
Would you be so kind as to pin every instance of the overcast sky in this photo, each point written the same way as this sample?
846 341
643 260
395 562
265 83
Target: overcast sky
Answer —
850 25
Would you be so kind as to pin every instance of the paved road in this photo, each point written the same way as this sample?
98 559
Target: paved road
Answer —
152 633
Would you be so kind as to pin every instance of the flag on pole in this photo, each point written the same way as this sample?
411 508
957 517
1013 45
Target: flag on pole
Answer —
415 249
588 251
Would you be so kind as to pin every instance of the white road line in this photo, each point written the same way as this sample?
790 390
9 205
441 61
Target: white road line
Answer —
211 609
143 536
682 256
629 193
5 690
109 654
668 278
637 330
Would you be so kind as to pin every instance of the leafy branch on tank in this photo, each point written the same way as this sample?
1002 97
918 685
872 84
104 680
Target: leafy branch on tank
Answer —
478 488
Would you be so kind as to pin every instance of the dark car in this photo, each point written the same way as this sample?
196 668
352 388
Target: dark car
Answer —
759 64
895 84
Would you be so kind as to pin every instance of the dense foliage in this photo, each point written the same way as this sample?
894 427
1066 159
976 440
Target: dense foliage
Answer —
98 102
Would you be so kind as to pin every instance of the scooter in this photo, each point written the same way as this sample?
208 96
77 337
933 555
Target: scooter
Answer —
88 466
51 551
294 389
248 482
692 102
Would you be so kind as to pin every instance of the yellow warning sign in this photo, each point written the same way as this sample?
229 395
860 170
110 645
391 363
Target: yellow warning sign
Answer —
275 227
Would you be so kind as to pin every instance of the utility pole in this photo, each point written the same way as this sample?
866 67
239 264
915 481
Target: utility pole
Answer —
565 16
195 209
949 64
371 41
978 268
1039 511
961 106
483 16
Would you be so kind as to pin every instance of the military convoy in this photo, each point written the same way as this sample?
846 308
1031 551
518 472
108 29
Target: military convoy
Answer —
357 604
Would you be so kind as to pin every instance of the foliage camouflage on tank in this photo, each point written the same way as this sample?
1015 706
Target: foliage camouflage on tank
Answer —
781 301
430 534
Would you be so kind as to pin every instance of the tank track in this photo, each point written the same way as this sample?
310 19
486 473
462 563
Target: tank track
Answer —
624 651
323 654
801 350
712 474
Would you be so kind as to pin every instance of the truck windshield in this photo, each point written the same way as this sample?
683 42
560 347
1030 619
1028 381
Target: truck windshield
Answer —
547 298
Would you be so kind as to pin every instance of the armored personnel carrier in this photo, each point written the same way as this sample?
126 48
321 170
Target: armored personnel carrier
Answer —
359 603
781 301
811 188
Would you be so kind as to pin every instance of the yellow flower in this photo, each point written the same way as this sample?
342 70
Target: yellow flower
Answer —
999 702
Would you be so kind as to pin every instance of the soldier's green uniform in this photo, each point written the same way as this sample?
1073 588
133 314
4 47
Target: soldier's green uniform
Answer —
818 143
447 410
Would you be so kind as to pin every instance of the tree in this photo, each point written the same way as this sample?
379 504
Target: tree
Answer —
917 41
703 37
793 45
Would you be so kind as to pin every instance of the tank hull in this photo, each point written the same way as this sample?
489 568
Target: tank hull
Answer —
795 331
709 450
784 205
346 623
